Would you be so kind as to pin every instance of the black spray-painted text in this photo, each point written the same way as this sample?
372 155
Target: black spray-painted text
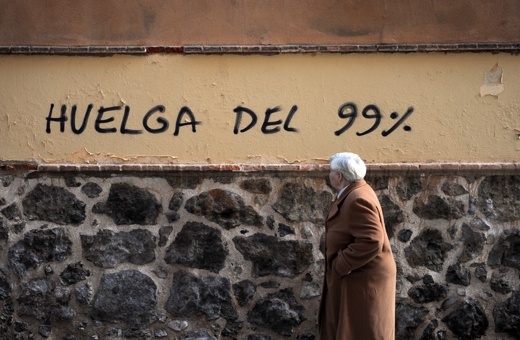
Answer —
154 121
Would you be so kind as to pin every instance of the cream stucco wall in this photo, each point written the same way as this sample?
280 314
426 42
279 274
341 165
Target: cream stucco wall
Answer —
450 121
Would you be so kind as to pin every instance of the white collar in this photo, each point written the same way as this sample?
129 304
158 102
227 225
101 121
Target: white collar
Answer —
341 191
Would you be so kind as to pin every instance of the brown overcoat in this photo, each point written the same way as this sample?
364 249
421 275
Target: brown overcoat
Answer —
358 297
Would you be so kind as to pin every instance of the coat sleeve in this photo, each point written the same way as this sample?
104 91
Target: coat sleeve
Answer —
367 229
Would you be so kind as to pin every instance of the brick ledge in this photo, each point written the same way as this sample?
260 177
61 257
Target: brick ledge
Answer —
497 167
493 47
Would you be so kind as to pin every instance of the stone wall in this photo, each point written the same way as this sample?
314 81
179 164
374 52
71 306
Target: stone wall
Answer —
238 254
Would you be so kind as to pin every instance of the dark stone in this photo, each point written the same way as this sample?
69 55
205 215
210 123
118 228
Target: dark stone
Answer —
11 212
48 270
2 201
441 335
42 300
452 231
270 284
128 204
172 217
257 186
74 273
164 233
479 224
184 182
128 296
428 250
53 204
407 319
299 203
473 205
310 291
305 337
427 279
18 227
404 235
279 312
100 208
44 330
160 272
198 246
428 333
83 294
501 284
409 187
453 189
258 337
285 230
161 333
223 207
91 190
137 334
6 287
377 182
244 292
4 230
448 303
20 326
413 278
7 180
270 222
307 277
271 256
468 321
191 296
392 213
232 328
224 178
71 182
38 246
176 201
201 334
107 249
505 252
498 198
8 310
507 316
117 332
455 275
438 208
480 271
429 292
473 243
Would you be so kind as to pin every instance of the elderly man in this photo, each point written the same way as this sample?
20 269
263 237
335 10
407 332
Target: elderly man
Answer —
358 297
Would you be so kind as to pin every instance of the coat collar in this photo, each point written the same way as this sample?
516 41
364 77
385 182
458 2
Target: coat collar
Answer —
336 204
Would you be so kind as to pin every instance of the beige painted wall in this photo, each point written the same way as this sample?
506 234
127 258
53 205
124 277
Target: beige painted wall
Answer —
450 121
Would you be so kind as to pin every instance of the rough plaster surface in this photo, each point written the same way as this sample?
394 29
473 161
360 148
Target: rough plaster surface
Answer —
439 93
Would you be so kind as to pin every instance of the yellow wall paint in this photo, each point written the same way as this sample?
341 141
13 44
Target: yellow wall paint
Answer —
450 121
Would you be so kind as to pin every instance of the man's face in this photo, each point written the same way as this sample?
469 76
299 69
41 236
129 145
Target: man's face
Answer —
335 180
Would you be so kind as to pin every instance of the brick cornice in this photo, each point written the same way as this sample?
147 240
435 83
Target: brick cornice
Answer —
373 168
493 47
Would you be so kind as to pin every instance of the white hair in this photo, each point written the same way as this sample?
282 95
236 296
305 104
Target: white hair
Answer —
350 165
